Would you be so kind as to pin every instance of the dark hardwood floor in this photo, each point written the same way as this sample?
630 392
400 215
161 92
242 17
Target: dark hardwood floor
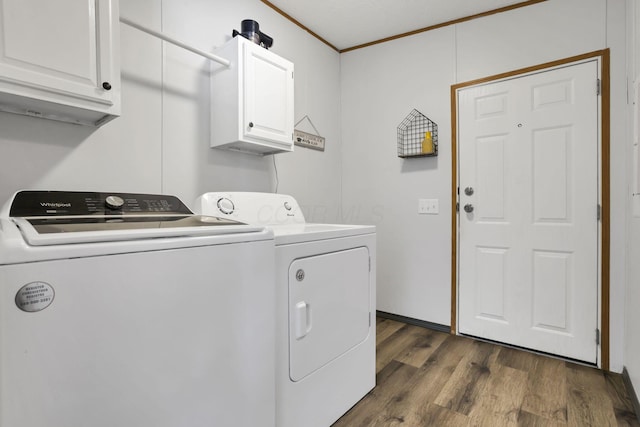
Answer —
430 378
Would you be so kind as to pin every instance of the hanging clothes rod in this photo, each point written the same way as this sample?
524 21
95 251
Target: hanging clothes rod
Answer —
171 40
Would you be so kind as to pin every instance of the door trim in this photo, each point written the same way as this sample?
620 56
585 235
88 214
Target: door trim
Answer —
604 189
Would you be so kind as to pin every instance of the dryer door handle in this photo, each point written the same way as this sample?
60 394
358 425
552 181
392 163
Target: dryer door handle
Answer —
302 319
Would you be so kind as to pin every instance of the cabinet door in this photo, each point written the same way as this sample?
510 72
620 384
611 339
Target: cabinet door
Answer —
56 48
268 96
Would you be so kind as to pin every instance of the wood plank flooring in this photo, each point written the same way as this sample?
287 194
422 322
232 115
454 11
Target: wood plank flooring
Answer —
430 378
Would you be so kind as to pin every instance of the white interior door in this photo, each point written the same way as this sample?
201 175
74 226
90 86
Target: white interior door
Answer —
528 222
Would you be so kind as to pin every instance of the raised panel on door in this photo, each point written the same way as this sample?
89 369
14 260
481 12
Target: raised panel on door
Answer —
553 288
58 47
528 253
552 174
490 293
490 178
329 297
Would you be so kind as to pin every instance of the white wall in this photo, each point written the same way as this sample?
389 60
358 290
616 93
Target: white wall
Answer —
380 86
189 166
382 83
632 314
161 142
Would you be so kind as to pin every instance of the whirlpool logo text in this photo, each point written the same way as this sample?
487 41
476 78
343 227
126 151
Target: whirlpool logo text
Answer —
55 205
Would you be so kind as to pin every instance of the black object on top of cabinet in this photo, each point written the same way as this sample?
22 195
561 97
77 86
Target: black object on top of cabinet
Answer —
250 30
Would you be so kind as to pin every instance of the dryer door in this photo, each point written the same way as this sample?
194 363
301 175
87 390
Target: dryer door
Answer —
329 308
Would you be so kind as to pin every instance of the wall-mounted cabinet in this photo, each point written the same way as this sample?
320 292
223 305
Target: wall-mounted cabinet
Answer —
252 100
59 59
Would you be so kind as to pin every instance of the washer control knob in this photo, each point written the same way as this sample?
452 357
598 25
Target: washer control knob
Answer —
114 202
226 206
287 206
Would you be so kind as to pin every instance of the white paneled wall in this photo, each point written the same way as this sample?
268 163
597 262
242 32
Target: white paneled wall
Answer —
632 314
123 155
161 141
529 36
382 83
189 166
380 86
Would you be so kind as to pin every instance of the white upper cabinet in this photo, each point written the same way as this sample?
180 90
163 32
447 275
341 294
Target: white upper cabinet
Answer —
59 59
252 100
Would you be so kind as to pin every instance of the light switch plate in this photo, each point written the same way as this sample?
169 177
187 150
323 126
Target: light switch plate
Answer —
428 206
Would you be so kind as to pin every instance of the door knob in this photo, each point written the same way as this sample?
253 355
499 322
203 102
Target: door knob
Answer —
468 208
468 191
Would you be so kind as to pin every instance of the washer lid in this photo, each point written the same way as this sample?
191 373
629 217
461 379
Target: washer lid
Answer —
71 224
191 226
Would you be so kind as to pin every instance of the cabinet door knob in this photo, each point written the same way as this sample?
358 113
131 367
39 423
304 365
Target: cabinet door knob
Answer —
250 124
106 86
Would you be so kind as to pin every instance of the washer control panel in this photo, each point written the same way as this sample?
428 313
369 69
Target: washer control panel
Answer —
72 203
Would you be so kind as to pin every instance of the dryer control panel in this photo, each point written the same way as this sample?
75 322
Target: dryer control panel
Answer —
252 208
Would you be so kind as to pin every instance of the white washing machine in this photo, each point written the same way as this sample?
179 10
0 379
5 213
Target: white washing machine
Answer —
128 310
326 291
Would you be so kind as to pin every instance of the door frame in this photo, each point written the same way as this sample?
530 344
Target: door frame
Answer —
605 123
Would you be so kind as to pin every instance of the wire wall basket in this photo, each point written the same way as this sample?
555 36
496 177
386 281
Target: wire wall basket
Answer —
417 136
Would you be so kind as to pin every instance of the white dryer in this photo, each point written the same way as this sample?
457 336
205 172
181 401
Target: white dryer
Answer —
128 310
326 291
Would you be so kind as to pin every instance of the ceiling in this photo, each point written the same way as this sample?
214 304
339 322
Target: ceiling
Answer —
345 24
